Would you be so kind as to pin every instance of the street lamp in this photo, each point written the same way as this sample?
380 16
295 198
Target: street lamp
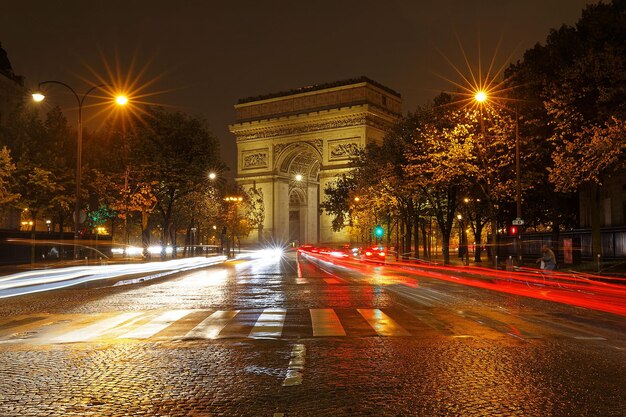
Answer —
481 97
38 96
459 217
305 188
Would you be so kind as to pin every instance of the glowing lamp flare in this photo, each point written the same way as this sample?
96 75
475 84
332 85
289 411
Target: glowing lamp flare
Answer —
38 97
121 100
480 96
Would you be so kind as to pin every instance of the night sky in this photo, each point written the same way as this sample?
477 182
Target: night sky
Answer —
202 56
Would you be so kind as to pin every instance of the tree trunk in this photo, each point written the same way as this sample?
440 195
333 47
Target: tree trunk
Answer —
425 241
594 208
145 234
445 247
407 239
478 245
556 227
32 236
172 238
416 232
187 241
61 247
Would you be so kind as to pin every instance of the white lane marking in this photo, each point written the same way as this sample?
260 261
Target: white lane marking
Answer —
296 365
94 330
382 323
326 323
269 324
156 325
211 327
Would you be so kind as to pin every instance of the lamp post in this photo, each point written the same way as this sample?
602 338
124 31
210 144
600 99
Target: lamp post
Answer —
233 201
518 189
39 96
299 178
459 218
481 97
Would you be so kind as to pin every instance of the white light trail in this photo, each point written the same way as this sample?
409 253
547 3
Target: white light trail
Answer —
50 279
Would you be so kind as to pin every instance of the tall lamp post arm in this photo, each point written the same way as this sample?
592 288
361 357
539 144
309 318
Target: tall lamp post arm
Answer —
79 144
95 87
78 100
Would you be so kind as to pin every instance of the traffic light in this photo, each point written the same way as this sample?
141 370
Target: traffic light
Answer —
379 231
513 230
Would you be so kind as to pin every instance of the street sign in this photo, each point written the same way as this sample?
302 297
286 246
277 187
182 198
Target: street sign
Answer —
82 216
518 222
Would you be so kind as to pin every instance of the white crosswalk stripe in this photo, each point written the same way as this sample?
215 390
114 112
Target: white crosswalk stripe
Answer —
211 327
269 324
326 323
382 323
156 325
95 330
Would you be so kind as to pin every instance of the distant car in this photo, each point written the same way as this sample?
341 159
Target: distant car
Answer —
306 248
375 254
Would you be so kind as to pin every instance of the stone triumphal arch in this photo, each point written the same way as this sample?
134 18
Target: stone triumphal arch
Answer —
291 145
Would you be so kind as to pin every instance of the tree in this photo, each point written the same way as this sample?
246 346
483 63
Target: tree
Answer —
7 168
579 79
39 191
430 149
135 197
199 211
43 159
177 151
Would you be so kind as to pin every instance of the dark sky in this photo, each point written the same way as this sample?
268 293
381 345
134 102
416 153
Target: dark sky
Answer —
205 55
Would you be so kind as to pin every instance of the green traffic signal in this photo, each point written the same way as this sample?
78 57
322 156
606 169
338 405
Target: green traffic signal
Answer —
379 231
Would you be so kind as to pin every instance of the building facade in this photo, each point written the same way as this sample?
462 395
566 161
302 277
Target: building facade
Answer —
292 145
12 93
612 201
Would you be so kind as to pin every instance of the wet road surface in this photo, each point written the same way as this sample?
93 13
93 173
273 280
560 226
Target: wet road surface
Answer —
301 337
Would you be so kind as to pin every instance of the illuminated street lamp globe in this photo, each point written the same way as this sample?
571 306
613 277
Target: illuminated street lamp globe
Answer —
121 100
480 96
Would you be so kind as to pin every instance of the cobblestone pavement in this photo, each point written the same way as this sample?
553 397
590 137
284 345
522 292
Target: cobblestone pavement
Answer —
287 338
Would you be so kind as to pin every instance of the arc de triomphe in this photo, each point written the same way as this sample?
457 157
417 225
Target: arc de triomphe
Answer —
291 145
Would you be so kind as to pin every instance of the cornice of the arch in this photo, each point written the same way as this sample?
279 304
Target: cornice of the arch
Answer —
272 130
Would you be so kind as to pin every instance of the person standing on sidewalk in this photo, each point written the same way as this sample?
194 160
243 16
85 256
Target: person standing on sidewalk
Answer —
547 259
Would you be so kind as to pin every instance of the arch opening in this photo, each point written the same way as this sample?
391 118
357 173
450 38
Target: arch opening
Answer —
299 166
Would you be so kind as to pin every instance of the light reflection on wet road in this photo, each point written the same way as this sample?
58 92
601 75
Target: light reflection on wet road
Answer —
221 341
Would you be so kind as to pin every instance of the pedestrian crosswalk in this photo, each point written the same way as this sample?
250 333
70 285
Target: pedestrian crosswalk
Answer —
267 323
